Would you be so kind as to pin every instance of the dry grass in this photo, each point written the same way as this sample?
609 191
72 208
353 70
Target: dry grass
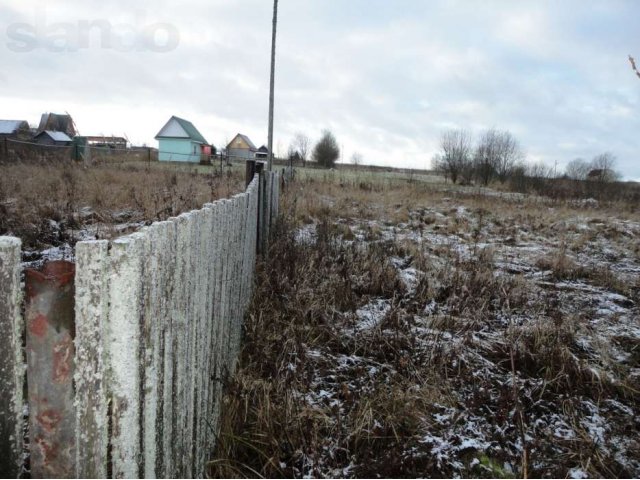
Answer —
503 343
49 204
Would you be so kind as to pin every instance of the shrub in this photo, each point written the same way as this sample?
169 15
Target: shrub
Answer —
326 151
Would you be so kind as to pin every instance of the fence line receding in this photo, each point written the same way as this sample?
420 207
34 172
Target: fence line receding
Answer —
157 325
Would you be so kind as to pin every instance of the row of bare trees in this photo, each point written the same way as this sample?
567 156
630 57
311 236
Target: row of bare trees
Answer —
493 158
600 168
498 156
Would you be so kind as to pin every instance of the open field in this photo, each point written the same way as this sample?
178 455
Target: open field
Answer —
50 206
413 329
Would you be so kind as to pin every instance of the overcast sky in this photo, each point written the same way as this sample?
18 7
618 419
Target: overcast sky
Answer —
386 76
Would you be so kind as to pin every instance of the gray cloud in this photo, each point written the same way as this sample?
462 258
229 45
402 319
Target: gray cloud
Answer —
387 77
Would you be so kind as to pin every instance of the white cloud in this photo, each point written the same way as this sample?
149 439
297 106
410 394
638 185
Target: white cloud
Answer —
386 77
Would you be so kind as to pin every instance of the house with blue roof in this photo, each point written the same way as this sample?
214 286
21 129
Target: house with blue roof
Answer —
180 141
18 129
50 137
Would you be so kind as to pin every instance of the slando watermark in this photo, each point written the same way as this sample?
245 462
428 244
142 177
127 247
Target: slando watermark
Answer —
98 33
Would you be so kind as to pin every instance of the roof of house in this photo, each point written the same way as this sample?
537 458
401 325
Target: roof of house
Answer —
263 149
56 136
190 130
247 140
57 122
11 126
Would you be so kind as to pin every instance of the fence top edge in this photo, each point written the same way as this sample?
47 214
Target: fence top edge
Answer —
140 234
184 217
92 243
130 239
162 223
12 242
163 227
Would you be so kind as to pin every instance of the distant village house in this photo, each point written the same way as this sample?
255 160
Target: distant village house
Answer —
180 141
49 137
55 122
15 129
241 147
262 153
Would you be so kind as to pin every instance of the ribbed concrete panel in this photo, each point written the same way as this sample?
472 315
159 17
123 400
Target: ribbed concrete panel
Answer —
92 302
123 352
11 358
158 323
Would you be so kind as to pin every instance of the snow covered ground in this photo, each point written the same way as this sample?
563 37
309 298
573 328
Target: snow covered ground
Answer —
516 335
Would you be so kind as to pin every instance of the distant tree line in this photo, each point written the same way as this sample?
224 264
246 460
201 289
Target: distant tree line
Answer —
493 157
498 156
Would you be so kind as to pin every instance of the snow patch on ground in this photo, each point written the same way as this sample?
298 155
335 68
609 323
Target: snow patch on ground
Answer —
372 314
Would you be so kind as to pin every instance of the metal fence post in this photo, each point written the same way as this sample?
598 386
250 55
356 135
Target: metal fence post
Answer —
250 171
50 363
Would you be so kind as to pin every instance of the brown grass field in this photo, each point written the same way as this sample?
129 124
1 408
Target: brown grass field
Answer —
401 326
50 206
413 329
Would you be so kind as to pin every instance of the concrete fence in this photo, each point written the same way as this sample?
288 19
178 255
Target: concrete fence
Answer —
129 383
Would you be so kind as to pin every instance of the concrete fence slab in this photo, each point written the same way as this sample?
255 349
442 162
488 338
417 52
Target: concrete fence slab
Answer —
158 326
91 316
123 353
169 312
12 364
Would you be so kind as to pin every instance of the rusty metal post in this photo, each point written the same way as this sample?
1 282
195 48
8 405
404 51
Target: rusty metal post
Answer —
50 367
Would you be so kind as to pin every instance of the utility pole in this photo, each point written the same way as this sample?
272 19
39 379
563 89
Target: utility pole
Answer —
272 84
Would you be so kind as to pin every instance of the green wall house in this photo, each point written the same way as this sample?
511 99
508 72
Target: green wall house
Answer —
180 141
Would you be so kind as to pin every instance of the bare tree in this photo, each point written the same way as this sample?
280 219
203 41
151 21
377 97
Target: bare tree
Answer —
301 145
484 158
577 169
456 148
508 154
496 155
633 66
540 171
292 154
356 159
602 168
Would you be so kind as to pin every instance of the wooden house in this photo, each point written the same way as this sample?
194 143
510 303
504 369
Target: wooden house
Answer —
180 141
56 122
262 153
242 148
49 137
